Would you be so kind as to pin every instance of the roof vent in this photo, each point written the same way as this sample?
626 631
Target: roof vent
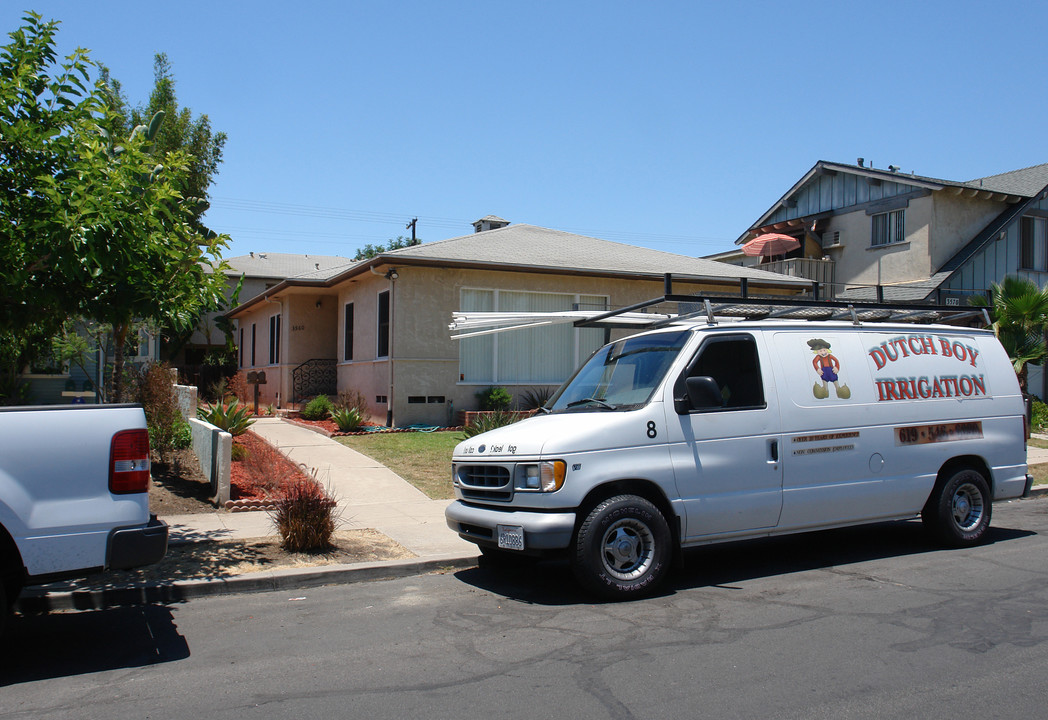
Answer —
489 222
860 161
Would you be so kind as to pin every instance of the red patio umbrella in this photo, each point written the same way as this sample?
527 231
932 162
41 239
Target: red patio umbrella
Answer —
771 244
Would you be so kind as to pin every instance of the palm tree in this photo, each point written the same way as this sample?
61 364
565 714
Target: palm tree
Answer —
1020 318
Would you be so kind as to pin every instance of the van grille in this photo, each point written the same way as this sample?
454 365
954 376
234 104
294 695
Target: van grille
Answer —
485 482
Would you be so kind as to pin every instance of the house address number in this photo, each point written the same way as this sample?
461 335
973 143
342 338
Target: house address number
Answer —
297 327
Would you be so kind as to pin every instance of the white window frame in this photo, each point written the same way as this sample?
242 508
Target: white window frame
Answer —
894 224
496 378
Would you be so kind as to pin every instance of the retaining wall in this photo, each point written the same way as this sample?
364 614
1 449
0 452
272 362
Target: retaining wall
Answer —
214 448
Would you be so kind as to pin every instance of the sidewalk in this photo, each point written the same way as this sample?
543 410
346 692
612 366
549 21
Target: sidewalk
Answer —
369 495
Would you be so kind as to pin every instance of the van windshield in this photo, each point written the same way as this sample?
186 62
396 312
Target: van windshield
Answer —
620 376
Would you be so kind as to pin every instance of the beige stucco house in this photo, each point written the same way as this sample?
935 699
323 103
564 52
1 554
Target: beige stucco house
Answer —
907 236
380 326
869 233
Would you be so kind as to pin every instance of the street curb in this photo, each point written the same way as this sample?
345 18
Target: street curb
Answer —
1037 491
36 600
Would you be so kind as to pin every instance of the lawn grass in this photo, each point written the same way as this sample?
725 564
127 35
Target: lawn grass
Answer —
423 459
1040 473
1037 443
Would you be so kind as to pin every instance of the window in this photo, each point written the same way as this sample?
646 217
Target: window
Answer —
347 333
733 364
383 324
1033 243
888 228
274 340
542 355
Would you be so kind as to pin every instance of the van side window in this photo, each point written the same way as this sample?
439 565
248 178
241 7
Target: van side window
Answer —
733 364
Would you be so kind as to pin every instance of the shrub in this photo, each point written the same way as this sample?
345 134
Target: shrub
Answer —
348 419
535 398
232 417
495 398
238 387
305 516
238 453
1040 416
355 399
165 422
319 408
489 421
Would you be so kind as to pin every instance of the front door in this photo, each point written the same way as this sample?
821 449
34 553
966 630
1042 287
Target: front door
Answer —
726 456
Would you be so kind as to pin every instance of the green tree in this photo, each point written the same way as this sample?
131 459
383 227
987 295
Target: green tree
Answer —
44 108
180 131
95 221
1019 309
369 251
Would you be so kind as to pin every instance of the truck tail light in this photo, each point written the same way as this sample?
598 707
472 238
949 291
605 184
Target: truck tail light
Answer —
129 462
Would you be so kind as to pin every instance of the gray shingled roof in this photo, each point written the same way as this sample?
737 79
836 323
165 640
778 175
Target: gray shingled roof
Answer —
285 265
1026 182
529 246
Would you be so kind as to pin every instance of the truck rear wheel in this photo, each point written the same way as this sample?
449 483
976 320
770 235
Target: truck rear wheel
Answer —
622 549
958 511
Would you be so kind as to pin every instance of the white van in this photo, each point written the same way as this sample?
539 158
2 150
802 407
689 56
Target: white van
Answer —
704 431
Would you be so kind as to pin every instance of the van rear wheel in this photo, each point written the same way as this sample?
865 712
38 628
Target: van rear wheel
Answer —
622 549
958 511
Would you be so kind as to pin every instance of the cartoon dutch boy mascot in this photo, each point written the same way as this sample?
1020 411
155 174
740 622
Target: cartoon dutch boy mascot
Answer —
826 367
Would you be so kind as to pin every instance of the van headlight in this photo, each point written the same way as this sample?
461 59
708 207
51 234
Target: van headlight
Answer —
545 476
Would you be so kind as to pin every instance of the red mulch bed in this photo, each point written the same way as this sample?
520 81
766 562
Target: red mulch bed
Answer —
328 427
263 472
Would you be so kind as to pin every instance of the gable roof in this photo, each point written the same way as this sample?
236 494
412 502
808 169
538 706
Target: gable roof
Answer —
1013 186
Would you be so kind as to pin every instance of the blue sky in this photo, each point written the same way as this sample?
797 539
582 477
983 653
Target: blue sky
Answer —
671 125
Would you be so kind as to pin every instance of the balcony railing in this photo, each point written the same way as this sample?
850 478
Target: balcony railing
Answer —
820 271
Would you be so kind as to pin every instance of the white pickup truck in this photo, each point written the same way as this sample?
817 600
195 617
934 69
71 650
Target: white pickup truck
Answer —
74 482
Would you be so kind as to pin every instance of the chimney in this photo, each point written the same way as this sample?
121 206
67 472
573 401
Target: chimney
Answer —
489 222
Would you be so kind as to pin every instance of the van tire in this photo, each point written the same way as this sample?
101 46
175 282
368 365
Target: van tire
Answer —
958 511
622 549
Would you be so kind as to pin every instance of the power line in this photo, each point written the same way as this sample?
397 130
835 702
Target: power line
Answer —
457 224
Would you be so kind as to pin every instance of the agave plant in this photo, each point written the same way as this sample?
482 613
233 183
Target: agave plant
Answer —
489 421
348 419
230 417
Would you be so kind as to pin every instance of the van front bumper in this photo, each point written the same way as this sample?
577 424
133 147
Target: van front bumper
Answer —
542 530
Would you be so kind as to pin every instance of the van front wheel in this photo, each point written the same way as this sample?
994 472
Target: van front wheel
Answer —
958 511
623 548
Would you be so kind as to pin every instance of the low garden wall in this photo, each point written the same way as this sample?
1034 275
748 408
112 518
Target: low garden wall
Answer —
214 448
186 395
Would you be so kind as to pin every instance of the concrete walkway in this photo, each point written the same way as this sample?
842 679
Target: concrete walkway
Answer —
369 495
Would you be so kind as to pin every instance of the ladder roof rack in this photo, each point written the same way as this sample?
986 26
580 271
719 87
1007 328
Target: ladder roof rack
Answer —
690 307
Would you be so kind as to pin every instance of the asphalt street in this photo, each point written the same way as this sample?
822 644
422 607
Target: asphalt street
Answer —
866 622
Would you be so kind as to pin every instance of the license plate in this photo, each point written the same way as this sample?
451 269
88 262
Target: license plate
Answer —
511 537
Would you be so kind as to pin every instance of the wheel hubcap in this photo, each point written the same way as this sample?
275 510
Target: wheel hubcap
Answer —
627 549
967 507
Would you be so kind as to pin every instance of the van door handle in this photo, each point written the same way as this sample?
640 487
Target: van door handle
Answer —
774 449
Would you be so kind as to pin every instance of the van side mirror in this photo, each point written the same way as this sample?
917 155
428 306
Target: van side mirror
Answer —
703 393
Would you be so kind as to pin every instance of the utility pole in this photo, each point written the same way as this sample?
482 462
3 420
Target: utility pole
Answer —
411 225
